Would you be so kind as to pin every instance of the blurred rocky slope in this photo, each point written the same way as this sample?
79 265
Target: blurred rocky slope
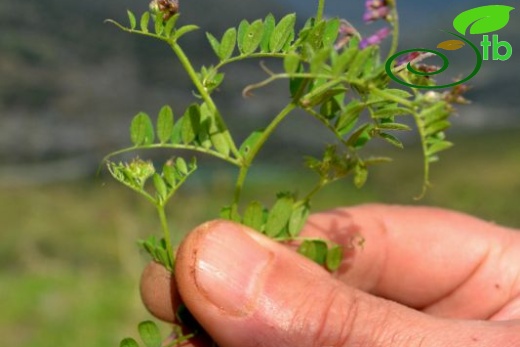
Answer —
70 84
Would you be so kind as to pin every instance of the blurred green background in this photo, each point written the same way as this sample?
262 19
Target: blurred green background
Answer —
69 264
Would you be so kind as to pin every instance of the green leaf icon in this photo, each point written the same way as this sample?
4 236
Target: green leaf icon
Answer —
483 19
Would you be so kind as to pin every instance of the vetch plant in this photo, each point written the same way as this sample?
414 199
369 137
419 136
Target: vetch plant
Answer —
332 73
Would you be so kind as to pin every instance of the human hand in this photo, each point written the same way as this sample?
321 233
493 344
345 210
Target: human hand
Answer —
424 277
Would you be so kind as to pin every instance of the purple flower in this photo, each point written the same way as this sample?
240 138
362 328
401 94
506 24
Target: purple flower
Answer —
405 59
375 14
376 38
376 9
346 32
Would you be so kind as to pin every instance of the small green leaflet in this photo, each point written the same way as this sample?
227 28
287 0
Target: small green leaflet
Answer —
315 250
150 334
348 118
145 19
282 32
393 126
141 130
215 45
250 142
168 173
438 147
241 33
331 32
184 30
158 25
279 216
252 37
190 124
291 63
227 45
181 165
360 175
391 139
269 25
217 131
298 219
334 257
254 216
160 187
165 124
131 19
170 25
128 342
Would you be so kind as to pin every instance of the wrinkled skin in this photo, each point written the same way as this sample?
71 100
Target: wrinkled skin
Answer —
423 277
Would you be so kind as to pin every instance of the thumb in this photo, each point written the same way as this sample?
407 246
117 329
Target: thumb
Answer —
246 290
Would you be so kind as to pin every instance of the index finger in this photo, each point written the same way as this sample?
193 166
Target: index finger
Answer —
438 261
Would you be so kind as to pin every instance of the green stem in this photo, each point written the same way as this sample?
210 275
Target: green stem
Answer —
249 56
322 183
166 233
426 164
204 94
388 96
173 146
319 11
254 151
394 20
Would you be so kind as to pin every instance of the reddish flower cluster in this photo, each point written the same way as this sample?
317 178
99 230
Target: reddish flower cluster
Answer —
346 32
406 58
168 8
376 9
